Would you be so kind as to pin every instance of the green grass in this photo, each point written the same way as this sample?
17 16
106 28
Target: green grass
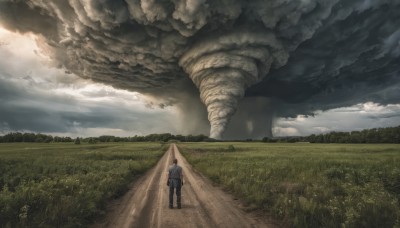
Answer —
308 185
67 185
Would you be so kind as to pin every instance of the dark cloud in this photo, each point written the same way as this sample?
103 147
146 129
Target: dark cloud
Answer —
299 56
343 64
27 107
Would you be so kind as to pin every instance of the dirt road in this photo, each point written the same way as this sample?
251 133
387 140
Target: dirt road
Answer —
203 205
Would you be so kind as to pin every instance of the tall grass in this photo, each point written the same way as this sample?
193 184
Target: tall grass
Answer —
66 185
308 185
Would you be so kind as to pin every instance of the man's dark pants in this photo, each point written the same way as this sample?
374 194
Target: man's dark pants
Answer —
175 184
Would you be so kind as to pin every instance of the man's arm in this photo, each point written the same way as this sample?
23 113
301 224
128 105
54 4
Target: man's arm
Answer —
181 176
168 173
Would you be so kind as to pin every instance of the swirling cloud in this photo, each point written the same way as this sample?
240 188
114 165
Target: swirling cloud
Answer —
300 55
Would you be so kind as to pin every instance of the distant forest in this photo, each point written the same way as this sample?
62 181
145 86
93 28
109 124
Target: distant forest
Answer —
42 138
375 135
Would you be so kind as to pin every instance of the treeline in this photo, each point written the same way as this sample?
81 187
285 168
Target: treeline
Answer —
148 138
32 137
42 138
375 135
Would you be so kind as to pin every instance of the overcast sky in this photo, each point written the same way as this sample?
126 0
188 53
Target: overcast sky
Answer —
36 97
229 69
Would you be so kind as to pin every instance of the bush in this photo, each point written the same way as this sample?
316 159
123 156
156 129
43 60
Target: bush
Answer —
231 148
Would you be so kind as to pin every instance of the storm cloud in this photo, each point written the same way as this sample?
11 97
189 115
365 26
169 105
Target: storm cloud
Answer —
248 62
29 105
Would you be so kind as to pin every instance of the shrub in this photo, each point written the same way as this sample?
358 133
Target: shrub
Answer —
231 148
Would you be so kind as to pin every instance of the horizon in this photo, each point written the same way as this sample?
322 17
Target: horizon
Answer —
220 140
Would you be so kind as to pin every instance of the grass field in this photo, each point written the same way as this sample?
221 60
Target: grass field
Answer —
66 185
308 185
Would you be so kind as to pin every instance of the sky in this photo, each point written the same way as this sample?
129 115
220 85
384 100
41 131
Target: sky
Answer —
75 76
37 97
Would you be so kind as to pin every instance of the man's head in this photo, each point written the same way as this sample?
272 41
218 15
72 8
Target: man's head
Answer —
175 161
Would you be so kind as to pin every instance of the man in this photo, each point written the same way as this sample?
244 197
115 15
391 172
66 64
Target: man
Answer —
175 181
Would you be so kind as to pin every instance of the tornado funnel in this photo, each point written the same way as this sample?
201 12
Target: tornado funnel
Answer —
224 66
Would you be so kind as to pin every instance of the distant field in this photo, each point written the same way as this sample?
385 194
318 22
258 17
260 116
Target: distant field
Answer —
66 185
308 185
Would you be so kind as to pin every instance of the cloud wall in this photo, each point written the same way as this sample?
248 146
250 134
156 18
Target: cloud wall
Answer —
304 55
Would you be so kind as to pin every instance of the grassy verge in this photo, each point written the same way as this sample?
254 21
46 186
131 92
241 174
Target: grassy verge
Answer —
66 185
308 185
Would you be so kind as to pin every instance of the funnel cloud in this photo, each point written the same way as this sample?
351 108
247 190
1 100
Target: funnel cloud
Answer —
247 62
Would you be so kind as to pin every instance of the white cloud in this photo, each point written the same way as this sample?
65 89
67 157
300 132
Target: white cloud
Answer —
357 117
285 131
